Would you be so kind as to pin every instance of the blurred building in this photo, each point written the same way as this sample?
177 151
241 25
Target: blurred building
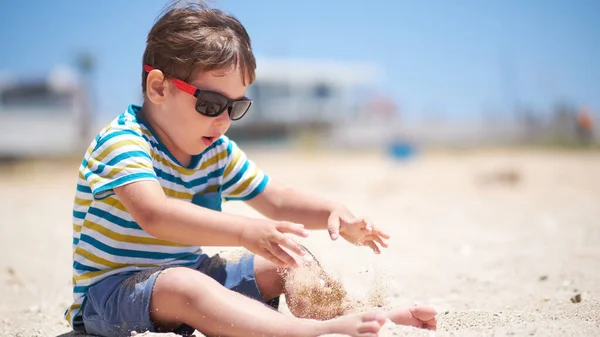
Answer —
45 117
293 96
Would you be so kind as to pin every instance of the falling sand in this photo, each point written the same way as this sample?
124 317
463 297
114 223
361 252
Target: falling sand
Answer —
312 293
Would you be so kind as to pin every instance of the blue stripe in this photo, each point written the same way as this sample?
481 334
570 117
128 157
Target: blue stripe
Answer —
121 119
191 184
229 148
136 253
113 218
119 158
254 193
79 266
75 241
80 289
84 189
237 177
79 215
132 109
122 181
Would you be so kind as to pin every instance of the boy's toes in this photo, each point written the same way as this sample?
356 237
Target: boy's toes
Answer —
423 312
369 327
430 324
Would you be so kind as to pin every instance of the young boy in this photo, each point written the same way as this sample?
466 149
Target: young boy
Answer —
149 196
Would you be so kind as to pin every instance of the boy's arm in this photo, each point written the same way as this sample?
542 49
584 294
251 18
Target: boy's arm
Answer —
178 221
280 202
285 203
183 222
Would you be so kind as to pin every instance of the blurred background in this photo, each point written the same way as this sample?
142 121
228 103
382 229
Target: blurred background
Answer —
469 130
350 74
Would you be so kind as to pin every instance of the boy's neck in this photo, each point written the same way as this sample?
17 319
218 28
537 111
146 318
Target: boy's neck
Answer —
147 116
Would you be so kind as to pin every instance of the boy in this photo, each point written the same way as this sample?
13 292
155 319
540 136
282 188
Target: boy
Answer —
149 196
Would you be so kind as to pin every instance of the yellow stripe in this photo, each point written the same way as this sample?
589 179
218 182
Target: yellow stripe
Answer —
96 259
135 127
211 189
128 238
240 189
71 309
90 149
115 171
83 202
177 168
147 133
90 274
114 202
232 164
114 146
213 160
77 228
177 195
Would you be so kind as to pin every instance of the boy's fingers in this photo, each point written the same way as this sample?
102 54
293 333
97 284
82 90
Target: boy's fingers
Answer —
377 239
373 246
381 233
333 227
290 244
292 228
283 256
272 258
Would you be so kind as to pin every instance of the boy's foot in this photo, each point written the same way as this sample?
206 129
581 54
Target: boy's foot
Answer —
420 316
357 325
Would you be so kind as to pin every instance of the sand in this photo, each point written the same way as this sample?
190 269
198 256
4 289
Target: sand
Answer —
498 241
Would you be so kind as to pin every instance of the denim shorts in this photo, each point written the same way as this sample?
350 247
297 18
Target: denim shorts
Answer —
120 304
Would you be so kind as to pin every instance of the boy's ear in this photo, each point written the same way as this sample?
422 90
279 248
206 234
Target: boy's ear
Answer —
156 86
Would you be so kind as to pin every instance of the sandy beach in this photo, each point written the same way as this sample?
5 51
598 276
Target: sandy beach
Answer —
502 242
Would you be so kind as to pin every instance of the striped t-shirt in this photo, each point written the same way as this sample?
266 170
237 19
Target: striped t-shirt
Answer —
106 238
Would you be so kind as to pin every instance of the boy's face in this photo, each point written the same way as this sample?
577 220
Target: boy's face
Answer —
186 129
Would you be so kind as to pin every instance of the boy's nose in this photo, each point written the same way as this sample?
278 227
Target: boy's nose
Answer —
223 119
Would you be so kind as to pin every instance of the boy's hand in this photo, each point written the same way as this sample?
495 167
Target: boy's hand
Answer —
358 231
265 238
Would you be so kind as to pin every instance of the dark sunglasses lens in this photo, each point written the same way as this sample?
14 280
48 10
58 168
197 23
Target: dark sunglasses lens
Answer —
239 109
210 104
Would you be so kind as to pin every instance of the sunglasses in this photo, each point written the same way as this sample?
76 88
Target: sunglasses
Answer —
209 103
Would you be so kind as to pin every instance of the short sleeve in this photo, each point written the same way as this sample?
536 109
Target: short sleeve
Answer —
119 157
242 180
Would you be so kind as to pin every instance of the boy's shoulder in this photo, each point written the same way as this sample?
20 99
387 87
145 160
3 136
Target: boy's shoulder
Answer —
125 123
125 133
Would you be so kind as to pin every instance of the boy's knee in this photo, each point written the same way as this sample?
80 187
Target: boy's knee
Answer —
174 291
178 283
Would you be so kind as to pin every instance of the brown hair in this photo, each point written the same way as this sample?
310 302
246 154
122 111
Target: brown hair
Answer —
194 38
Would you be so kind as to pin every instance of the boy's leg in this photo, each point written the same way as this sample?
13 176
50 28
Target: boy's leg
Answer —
186 296
268 276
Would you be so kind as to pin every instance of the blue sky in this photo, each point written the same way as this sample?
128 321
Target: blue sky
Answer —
452 58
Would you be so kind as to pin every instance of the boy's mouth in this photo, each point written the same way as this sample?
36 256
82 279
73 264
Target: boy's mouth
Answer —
208 140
